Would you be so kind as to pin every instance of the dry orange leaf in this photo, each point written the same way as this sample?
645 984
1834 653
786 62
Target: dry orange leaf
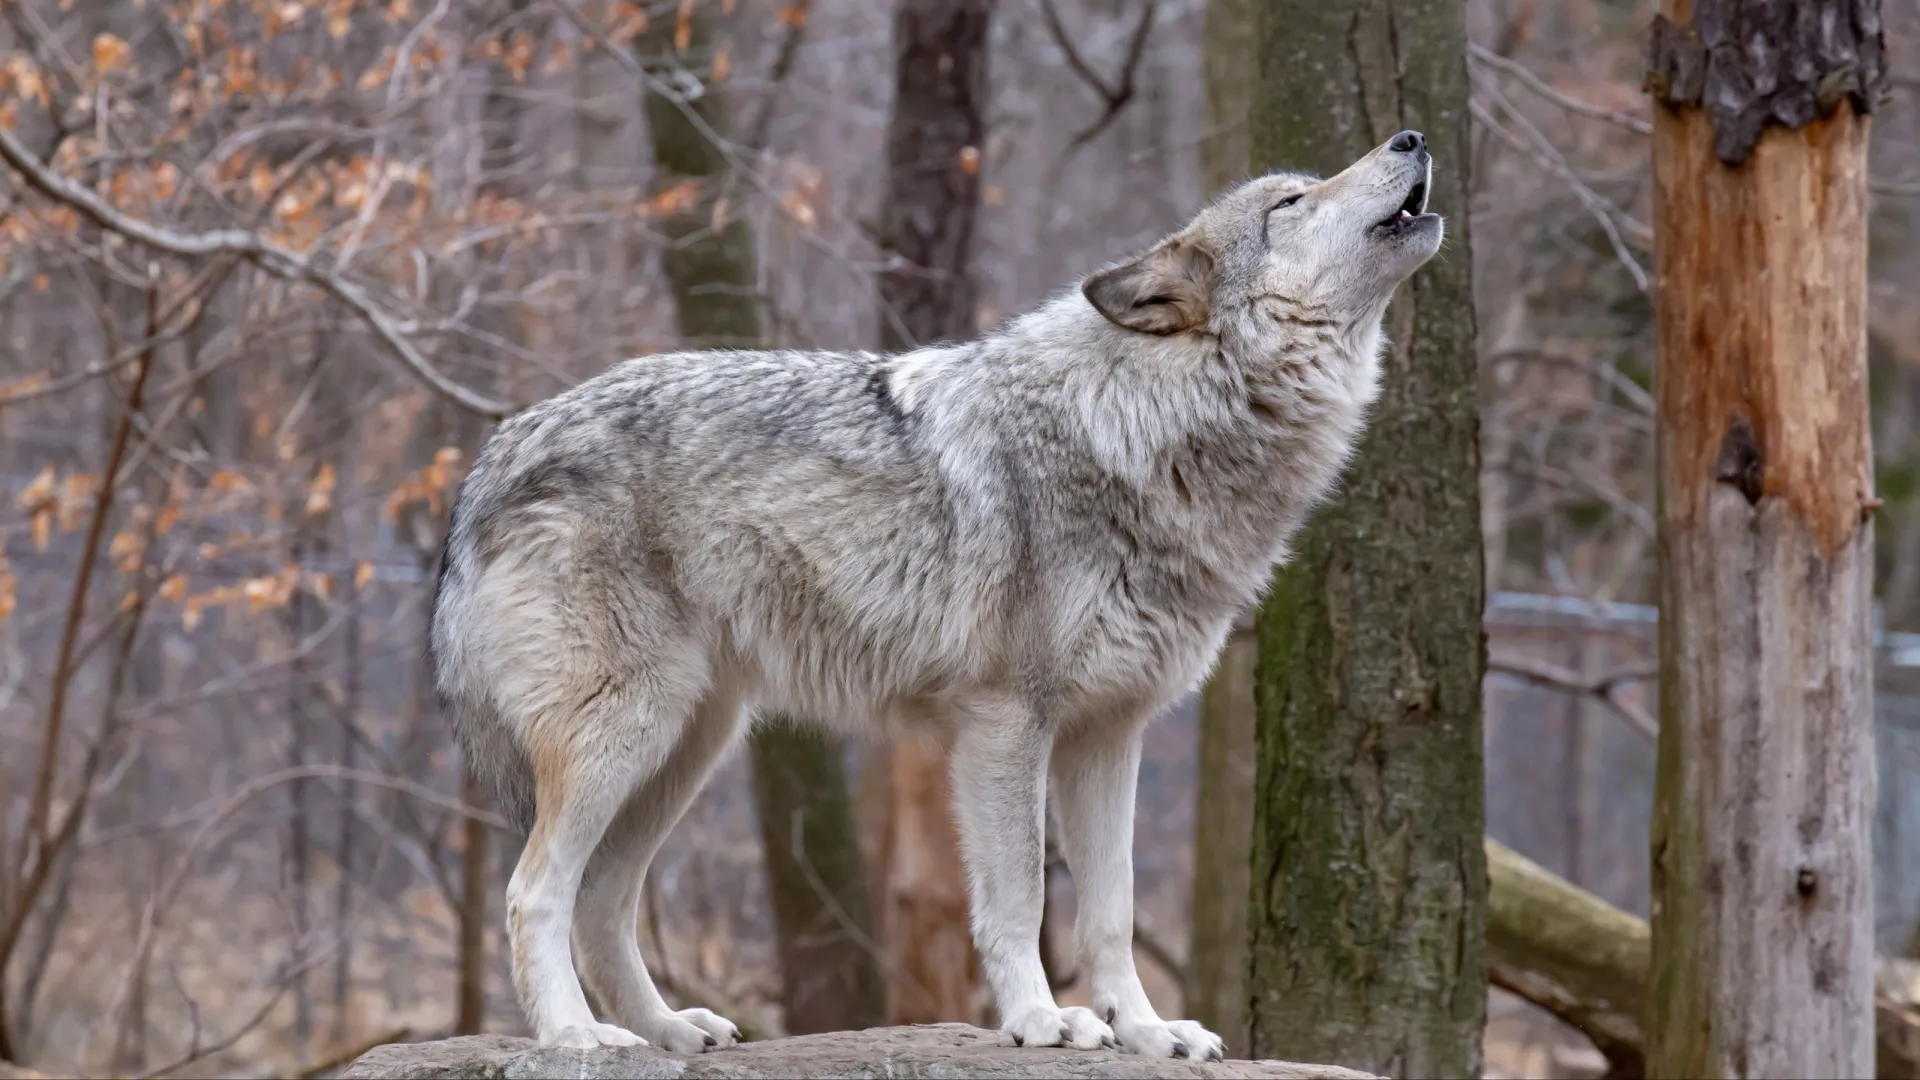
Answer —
38 491
683 27
320 492
339 18
109 53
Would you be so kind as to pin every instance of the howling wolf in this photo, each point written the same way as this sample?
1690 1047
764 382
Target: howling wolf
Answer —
1026 546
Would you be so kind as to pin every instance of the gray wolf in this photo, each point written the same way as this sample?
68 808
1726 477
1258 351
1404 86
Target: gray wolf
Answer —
1026 545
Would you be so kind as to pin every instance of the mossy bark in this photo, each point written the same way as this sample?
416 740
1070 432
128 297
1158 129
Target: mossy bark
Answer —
1369 882
829 979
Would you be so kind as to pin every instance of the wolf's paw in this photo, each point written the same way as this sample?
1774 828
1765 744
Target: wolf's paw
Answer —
1049 1026
590 1036
693 1031
1201 1043
1149 1036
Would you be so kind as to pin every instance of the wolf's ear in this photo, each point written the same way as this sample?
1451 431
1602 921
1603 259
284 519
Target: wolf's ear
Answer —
1166 291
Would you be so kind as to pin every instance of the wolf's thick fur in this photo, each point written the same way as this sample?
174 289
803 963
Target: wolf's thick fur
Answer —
1027 545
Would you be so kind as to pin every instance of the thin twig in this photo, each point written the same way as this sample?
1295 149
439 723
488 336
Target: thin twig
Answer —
796 24
33 838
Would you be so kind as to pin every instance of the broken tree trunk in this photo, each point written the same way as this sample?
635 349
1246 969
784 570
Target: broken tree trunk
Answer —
1586 962
1763 928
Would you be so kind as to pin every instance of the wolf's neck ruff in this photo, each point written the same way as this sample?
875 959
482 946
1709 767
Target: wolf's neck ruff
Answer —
1032 542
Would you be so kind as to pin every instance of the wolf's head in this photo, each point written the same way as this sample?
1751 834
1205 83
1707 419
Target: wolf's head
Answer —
1324 249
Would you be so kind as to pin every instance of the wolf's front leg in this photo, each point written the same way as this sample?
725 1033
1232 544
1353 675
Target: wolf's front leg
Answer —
1095 772
999 771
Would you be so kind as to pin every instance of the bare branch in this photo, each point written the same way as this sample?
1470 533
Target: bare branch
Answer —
1605 686
275 259
1115 96
1535 83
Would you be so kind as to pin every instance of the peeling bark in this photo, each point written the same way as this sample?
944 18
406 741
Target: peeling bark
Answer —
1752 63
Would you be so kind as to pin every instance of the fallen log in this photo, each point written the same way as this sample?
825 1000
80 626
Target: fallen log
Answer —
1585 961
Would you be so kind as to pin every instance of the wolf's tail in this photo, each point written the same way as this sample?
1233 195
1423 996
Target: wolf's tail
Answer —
496 759
488 749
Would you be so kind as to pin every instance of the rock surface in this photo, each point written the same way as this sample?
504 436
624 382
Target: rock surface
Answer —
932 1051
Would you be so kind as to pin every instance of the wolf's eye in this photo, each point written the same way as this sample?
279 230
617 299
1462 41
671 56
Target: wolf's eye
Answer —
1286 202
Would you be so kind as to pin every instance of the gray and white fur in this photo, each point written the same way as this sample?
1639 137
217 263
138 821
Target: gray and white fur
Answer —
1026 546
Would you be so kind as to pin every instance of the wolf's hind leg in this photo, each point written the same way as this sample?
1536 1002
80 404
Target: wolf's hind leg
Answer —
585 766
999 769
1095 772
606 920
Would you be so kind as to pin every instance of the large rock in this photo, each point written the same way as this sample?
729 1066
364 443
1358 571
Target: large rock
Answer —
933 1051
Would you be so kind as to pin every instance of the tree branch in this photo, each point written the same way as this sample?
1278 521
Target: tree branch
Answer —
1605 687
1116 96
282 262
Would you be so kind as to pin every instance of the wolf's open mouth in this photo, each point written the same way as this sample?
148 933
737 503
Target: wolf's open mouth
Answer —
1413 206
1416 203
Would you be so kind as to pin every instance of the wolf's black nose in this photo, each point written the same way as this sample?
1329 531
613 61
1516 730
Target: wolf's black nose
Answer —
1408 142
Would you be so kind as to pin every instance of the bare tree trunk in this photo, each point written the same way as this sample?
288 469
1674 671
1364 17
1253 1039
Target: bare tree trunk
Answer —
934 142
471 1014
1762 874
1366 928
829 980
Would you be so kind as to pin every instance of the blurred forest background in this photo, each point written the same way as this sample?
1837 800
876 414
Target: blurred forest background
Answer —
250 851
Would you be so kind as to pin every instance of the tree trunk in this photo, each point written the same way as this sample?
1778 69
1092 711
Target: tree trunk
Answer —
934 142
829 979
1368 902
1223 799
470 1016
1230 73
1762 882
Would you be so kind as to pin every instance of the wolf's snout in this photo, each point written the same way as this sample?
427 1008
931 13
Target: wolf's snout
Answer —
1409 142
